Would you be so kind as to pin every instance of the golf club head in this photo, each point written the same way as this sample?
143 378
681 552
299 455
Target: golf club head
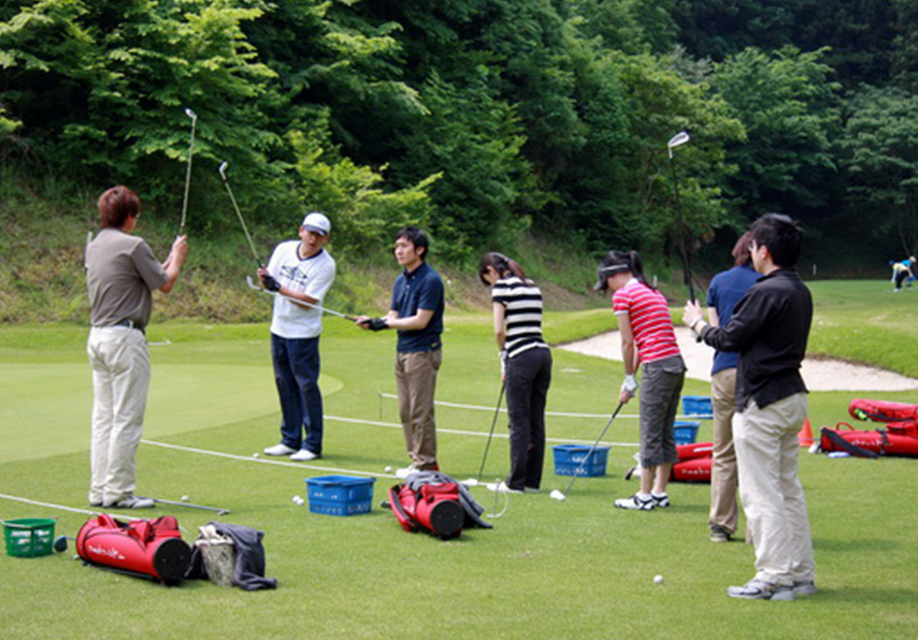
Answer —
557 495
60 544
191 114
679 139
222 169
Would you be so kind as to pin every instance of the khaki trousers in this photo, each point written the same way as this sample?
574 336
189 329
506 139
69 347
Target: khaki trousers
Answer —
120 380
724 476
416 378
773 500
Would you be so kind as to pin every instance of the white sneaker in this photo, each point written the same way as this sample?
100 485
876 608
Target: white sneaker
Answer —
131 502
401 474
636 503
279 450
757 589
304 455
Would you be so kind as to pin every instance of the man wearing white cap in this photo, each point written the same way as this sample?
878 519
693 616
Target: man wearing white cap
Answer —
300 269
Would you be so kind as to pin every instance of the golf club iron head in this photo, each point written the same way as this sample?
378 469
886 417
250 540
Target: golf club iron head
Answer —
557 495
191 114
222 169
679 139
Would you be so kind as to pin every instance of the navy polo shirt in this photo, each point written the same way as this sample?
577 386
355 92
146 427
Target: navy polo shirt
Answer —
727 288
419 289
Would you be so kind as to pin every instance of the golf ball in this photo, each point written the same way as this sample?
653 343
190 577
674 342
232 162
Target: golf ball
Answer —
658 579
388 469
255 455
297 500
185 498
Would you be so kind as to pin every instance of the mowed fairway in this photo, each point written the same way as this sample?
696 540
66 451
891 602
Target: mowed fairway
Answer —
578 569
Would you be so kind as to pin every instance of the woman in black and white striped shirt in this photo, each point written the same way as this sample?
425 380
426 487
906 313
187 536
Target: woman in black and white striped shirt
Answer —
525 366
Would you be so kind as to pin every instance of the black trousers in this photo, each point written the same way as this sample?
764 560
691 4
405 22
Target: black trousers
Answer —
528 379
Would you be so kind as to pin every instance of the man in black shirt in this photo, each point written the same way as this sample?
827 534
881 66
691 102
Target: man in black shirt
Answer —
769 329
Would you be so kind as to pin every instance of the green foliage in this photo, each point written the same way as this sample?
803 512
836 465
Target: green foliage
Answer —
880 142
790 110
364 217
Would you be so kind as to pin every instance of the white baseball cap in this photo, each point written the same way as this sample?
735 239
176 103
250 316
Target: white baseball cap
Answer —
317 223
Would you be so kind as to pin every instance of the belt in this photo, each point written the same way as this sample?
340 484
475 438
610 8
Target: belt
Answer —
130 324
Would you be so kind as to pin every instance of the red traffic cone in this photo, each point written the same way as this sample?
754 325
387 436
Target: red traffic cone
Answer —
805 436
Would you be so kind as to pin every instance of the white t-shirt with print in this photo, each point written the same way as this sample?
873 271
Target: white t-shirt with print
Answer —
312 276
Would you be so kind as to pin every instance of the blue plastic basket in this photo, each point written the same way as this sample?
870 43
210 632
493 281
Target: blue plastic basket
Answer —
697 406
571 459
686 431
340 495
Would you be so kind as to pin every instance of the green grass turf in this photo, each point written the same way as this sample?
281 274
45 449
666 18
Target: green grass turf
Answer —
578 569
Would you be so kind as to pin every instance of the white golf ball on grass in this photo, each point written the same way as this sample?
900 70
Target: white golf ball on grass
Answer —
185 498
388 469
658 579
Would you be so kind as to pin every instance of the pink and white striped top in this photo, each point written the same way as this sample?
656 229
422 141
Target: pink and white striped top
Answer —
651 322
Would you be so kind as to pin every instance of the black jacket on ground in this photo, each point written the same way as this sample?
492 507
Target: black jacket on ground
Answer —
769 329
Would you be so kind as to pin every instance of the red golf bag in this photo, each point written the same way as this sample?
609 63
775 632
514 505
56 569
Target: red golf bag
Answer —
433 508
880 411
145 548
897 439
694 463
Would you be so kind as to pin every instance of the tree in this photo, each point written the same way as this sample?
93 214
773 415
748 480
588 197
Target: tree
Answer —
880 143
790 109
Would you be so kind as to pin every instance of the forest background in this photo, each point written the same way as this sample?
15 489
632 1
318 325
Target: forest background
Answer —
536 127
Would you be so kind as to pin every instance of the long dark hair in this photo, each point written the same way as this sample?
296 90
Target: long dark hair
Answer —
618 262
740 253
503 265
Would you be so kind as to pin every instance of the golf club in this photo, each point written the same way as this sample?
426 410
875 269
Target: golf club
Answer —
678 140
484 458
252 285
60 543
194 122
226 183
561 496
176 503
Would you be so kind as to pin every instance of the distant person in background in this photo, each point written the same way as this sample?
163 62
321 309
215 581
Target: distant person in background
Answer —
121 274
303 270
902 271
769 328
525 366
727 288
649 341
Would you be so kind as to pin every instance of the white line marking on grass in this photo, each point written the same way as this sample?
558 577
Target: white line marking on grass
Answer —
480 434
280 463
557 414
61 507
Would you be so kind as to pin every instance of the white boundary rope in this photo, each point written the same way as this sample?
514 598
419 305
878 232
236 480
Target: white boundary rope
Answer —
60 507
557 414
280 463
479 434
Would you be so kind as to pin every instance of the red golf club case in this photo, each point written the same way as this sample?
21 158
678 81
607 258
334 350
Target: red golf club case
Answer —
880 411
146 548
433 508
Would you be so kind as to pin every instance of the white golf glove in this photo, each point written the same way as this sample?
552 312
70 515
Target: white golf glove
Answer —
503 364
630 385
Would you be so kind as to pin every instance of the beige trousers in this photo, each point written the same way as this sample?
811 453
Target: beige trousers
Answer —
773 499
724 512
120 380
416 378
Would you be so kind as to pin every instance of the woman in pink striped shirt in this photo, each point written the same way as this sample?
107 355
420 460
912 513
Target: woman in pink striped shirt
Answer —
648 340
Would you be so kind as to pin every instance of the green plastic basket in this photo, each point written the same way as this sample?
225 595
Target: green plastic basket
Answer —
28 537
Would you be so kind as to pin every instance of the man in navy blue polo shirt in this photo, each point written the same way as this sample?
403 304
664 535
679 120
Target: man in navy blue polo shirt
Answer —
416 312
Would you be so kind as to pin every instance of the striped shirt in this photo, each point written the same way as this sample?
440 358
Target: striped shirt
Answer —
651 323
523 316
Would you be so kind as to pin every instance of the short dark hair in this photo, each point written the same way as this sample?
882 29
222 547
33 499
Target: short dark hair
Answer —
782 235
117 205
416 237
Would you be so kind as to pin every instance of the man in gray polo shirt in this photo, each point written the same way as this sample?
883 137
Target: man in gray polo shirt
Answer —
121 273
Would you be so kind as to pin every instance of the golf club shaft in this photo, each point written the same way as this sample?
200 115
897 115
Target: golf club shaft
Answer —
301 302
241 220
176 503
686 258
194 123
500 399
593 448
